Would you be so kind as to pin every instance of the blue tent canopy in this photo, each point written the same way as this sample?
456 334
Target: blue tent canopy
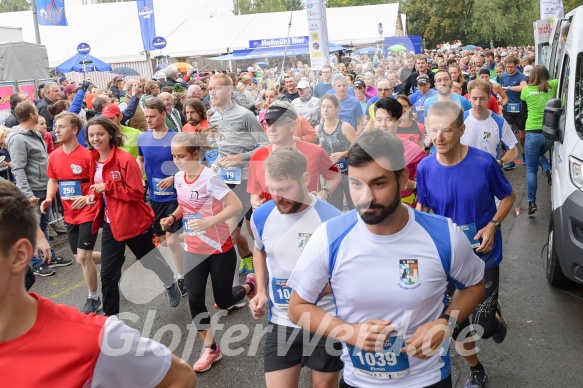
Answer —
72 64
273 52
368 50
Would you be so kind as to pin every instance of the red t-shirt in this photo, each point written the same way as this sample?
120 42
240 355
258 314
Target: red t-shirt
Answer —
492 103
61 332
319 163
190 128
65 348
72 172
49 142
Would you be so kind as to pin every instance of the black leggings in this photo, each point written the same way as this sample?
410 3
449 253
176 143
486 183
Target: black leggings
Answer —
485 314
221 267
113 257
336 198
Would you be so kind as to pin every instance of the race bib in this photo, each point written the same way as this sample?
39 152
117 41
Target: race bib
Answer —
470 231
342 166
231 175
281 292
187 230
389 363
513 108
70 189
158 191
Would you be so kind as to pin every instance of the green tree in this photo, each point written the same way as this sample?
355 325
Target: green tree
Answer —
245 7
353 3
14 5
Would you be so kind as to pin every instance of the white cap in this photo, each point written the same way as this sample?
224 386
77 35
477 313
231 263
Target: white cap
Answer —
527 70
303 84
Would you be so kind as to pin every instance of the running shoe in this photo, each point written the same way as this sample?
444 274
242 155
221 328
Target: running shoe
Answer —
207 360
92 306
243 267
478 379
500 333
173 294
237 305
549 175
59 228
249 264
43 270
60 262
532 208
509 166
181 286
251 281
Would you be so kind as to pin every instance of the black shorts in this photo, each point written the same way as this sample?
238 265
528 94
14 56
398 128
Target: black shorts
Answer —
516 120
163 210
485 314
240 191
80 236
282 353
445 383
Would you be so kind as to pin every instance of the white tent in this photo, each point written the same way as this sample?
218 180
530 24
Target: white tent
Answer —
112 30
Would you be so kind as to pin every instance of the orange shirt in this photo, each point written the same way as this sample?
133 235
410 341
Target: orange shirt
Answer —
190 128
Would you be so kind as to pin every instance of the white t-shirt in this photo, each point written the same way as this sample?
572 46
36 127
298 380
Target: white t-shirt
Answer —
401 277
202 199
485 134
283 238
128 359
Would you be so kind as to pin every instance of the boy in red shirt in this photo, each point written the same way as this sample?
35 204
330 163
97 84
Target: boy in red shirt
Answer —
85 350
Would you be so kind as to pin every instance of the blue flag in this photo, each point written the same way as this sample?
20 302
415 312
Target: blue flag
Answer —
147 22
51 12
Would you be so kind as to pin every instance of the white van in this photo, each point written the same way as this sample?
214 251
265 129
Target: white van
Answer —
563 123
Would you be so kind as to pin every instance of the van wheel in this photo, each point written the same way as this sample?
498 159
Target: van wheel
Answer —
553 271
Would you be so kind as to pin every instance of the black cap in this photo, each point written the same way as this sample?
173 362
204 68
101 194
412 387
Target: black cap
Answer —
484 71
280 109
359 84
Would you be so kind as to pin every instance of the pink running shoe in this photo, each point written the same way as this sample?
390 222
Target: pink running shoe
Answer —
207 360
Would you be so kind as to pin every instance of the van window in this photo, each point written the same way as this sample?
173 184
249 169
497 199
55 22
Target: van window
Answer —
556 49
579 96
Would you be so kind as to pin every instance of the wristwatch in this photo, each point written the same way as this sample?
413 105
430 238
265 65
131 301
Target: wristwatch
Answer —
497 224
451 322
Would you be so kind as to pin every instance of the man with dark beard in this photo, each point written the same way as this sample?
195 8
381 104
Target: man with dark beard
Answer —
388 266
196 117
288 220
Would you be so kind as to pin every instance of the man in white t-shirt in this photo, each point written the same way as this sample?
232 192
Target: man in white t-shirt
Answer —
282 228
87 350
388 267
485 130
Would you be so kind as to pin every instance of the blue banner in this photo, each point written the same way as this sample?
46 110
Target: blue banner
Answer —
278 41
51 12
147 22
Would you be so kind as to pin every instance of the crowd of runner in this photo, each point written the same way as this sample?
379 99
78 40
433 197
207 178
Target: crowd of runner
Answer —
332 173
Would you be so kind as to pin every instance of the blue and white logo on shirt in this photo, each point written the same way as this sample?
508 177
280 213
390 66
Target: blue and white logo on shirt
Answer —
409 274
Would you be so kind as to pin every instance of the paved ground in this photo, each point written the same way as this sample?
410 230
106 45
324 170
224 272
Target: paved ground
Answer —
544 346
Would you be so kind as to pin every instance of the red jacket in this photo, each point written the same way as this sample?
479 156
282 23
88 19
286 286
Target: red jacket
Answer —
129 215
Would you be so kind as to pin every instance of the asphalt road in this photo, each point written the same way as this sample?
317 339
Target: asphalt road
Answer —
544 346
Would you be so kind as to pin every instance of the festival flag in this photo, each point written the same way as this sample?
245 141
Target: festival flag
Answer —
51 12
147 22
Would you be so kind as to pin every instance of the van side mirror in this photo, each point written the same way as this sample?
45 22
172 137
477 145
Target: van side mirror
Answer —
552 117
